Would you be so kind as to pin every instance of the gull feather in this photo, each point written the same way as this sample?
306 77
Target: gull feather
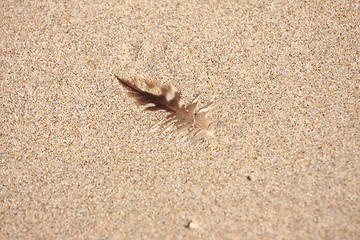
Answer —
181 121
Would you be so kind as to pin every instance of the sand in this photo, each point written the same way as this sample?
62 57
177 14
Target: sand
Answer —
77 159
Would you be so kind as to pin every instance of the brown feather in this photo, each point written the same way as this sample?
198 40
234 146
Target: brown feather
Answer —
181 120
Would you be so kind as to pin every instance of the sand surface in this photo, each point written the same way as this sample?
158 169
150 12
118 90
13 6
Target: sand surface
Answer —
77 161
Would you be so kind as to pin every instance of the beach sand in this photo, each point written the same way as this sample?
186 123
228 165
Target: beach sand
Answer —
78 161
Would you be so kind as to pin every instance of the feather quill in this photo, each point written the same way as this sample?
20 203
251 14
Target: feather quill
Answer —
182 122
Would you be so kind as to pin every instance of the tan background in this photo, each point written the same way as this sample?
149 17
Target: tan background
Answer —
77 161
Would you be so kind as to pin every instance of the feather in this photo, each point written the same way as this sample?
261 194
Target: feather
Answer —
182 122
